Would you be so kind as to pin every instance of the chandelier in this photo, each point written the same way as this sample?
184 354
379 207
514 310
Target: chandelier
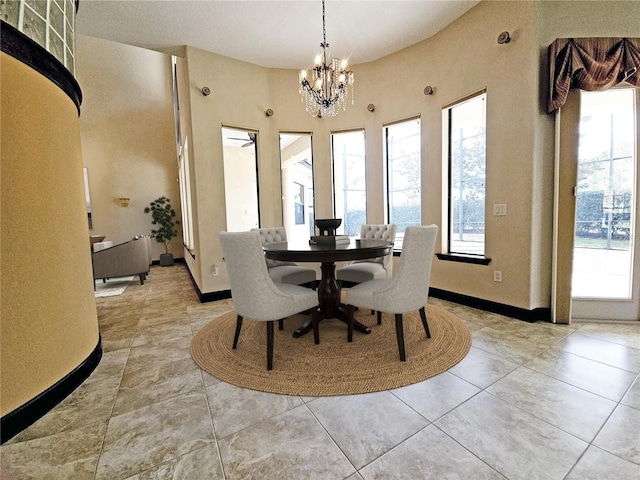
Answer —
328 88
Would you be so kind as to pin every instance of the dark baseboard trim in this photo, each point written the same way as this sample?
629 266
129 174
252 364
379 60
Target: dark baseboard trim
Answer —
22 48
213 296
19 419
209 296
175 260
537 314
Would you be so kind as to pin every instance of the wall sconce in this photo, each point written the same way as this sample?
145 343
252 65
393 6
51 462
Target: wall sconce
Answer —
269 112
428 90
206 91
371 107
123 202
504 38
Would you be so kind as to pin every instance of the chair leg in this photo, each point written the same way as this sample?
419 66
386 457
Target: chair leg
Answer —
269 344
379 317
315 320
349 323
400 335
237 335
281 324
372 312
423 316
142 277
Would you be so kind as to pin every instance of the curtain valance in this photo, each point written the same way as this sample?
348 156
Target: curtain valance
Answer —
591 64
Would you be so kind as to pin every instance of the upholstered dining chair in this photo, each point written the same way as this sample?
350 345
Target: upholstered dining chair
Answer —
408 291
371 268
254 293
285 272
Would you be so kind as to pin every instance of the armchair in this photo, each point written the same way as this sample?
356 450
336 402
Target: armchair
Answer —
129 258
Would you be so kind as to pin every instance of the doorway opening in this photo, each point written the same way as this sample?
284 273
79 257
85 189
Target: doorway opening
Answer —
604 268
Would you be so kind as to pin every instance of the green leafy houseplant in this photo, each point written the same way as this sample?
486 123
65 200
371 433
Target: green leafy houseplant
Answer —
163 216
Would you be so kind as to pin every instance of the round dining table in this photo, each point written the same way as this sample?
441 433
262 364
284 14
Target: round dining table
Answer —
327 254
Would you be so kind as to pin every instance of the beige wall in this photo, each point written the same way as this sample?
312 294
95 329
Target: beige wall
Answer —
49 326
462 59
128 136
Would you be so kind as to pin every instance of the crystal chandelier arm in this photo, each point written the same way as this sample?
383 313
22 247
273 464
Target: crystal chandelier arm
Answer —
327 90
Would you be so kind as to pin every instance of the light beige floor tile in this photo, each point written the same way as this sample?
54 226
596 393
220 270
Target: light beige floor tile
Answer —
621 434
201 464
292 445
144 383
596 464
430 454
622 333
632 398
234 408
435 396
602 351
63 456
149 436
481 368
569 408
366 426
595 377
92 402
167 332
512 348
515 443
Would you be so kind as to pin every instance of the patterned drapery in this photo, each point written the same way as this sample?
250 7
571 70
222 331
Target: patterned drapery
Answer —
591 64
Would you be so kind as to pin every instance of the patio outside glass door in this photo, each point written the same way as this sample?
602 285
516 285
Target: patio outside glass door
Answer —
606 277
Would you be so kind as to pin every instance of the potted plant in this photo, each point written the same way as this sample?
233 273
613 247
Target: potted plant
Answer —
163 216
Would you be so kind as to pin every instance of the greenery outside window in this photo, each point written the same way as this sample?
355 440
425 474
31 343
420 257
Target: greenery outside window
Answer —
466 148
403 159
349 180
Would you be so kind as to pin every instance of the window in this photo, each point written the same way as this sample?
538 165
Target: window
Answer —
402 151
184 174
466 141
298 202
349 185
296 178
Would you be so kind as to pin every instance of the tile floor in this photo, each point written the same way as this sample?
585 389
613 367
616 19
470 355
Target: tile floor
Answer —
529 401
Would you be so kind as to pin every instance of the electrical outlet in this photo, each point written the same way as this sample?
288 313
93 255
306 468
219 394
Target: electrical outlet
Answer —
500 209
497 276
214 270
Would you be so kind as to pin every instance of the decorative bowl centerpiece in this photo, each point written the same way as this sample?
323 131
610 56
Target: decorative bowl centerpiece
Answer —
328 226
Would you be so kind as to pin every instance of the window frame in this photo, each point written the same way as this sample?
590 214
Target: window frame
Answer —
447 121
333 171
397 246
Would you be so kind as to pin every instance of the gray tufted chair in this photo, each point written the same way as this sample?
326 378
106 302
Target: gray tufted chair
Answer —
371 268
285 272
409 289
254 294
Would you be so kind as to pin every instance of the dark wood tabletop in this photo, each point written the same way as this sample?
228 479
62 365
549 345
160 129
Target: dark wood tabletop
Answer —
329 305
304 252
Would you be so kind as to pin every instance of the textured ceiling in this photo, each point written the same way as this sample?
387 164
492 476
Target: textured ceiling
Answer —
277 34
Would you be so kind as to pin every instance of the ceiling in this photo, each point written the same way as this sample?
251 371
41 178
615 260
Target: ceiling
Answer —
276 34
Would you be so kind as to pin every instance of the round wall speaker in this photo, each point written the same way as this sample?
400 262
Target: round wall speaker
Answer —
206 91
371 107
269 112
504 38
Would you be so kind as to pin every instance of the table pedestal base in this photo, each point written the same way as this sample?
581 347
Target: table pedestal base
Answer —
329 302
342 315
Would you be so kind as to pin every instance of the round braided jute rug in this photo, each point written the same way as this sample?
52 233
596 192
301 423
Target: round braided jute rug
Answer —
370 363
